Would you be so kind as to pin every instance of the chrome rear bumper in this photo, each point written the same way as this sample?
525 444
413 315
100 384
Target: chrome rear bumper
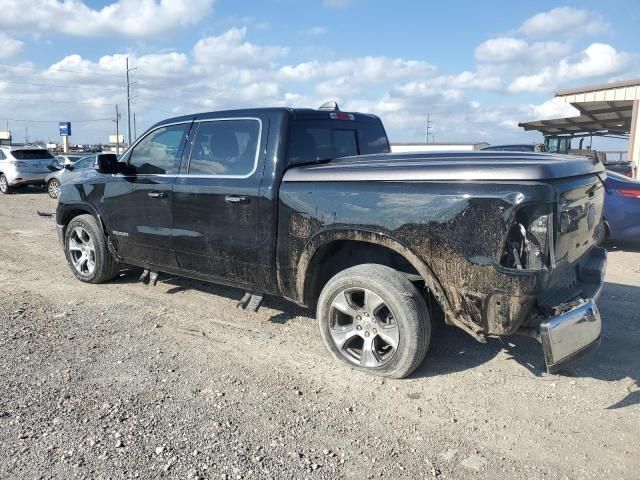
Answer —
577 329
570 334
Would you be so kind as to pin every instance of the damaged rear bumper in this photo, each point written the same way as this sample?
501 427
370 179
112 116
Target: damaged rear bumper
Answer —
576 328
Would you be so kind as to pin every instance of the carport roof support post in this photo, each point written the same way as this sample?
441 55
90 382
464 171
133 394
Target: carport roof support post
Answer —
634 139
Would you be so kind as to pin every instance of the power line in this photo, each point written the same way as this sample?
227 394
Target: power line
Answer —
29 100
112 90
57 121
53 70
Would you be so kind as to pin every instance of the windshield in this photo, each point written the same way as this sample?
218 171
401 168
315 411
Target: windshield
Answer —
34 154
320 139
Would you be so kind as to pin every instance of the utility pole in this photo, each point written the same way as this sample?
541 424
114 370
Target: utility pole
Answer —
117 120
129 101
429 122
26 135
135 132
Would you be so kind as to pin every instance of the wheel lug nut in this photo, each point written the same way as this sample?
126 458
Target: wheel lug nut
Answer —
366 334
366 314
358 317
359 327
375 331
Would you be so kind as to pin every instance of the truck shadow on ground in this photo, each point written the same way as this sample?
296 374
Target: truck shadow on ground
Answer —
452 350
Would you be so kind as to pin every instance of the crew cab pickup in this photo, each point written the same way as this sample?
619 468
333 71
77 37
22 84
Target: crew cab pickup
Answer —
311 206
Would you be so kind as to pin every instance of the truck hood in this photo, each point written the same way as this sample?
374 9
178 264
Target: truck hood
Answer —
453 166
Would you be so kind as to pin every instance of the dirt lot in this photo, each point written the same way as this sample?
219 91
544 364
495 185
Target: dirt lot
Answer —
127 381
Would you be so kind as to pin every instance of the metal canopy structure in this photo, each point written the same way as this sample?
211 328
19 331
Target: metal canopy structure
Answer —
609 109
596 118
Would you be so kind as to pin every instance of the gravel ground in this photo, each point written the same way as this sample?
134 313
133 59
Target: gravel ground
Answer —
123 380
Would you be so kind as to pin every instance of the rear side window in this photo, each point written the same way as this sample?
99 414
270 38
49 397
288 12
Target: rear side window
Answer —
225 147
313 140
31 154
157 153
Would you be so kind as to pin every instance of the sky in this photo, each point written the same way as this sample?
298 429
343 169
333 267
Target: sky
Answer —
477 68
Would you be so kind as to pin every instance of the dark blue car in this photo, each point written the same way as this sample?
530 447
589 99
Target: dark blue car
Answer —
622 208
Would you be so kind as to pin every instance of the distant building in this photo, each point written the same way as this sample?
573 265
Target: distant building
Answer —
436 147
5 138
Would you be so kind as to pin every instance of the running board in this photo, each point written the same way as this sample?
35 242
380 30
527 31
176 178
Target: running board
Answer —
251 301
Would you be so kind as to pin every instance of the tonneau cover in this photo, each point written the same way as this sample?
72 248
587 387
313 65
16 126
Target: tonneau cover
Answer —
442 166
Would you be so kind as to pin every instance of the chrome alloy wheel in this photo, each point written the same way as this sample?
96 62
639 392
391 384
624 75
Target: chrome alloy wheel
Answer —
363 328
4 185
82 251
54 188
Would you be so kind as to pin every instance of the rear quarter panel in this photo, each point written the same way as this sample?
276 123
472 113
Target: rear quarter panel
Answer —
457 229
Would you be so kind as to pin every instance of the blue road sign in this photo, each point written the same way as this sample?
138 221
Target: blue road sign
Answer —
65 129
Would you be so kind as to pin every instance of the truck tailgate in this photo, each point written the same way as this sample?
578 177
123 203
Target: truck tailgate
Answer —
579 211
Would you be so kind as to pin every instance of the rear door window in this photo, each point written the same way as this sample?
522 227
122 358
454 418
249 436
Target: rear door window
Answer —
313 140
225 148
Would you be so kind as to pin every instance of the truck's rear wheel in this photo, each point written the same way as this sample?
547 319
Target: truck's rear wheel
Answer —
86 249
374 319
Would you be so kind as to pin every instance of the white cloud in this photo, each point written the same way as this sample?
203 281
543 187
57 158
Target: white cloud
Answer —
364 69
565 22
9 46
501 49
517 51
597 60
133 18
469 79
230 48
554 108
536 82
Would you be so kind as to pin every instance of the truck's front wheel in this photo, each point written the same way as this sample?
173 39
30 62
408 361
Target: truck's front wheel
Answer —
374 319
87 252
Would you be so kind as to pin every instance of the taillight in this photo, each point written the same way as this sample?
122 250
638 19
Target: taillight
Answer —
629 192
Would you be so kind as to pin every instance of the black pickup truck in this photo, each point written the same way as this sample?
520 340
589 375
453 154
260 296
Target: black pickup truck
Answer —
311 206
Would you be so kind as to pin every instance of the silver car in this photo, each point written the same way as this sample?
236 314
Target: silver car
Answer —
23 166
68 172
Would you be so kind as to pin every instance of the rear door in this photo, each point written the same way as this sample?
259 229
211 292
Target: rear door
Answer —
216 200
138 203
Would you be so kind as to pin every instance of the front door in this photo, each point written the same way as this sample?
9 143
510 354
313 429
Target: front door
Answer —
139 201
216 201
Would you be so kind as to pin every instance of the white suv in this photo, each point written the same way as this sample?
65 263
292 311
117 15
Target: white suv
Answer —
23 166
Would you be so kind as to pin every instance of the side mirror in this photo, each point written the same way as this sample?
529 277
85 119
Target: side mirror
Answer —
107 163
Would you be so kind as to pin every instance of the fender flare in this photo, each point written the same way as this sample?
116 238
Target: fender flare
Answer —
324 237
82 206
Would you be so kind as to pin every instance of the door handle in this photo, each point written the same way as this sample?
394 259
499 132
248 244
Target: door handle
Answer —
237 199
157 194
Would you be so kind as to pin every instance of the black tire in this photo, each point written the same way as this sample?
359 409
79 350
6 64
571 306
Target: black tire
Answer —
105 266
405 303
53 187
4 185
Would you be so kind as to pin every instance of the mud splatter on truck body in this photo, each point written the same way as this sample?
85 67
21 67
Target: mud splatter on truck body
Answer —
453 232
